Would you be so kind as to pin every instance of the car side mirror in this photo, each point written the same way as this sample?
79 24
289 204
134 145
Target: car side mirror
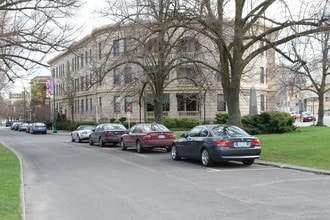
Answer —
183 135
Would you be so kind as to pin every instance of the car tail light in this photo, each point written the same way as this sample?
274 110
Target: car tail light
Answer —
255 142
147 137
173 136
107 134
223 143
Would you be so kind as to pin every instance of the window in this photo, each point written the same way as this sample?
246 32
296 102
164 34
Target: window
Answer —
186 71
91 104
219 76
116 76
100 101
127 44
127 75
116 104
86 57
262 75
86 105
82 83
152 45
261 44
82 60
262 103
86 81
100 50
221 103
188 44
128 104
82 105
187 102
150 102
116 47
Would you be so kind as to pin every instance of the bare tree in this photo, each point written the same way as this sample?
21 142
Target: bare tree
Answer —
158 46
29 29
312 57
254 31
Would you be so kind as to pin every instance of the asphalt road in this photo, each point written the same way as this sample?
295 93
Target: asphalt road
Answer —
76 181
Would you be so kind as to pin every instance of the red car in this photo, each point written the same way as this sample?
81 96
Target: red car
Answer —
148 135
307 116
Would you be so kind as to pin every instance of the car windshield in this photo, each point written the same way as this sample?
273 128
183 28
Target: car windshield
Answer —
114 127
86 128
229 131
155 127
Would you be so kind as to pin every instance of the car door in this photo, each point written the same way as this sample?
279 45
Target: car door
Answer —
97 133
130 137
188 146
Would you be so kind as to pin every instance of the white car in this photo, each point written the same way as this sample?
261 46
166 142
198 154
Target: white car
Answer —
82 133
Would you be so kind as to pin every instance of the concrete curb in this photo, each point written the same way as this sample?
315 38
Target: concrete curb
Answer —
292 167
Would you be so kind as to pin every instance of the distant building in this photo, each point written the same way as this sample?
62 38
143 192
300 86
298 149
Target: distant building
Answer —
39 103
83 94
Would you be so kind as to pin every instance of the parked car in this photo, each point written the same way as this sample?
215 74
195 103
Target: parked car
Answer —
307 117
15 126
38 127
216 143
107 133
148 135
28 128
22 127
82 133
295 114
9 123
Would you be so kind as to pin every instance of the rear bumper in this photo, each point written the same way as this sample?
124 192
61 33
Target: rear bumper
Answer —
223 154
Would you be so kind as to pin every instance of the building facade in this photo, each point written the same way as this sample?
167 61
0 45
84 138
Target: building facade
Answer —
96 80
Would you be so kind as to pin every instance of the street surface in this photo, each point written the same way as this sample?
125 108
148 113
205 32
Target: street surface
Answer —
75 181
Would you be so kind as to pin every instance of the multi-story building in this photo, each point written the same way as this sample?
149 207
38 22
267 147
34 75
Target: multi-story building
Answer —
87 89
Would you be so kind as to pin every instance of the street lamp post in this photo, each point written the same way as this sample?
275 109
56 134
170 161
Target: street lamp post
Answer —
54 107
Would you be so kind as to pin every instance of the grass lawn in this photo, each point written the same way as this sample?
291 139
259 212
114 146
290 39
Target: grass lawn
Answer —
9 185
308 146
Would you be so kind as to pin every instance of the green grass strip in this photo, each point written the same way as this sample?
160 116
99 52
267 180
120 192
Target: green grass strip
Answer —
308 146
10 182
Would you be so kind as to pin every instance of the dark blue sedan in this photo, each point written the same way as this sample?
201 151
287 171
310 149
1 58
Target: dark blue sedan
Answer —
216 143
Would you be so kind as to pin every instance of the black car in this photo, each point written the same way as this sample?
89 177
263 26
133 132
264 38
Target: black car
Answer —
216 143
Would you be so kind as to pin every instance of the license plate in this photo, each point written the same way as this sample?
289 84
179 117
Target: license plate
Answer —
242 144
161 136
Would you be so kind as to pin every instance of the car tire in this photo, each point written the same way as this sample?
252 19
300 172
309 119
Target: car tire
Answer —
206 158
101 142
72 139
139 147
122 145
248 162
174 153
90 141
79 140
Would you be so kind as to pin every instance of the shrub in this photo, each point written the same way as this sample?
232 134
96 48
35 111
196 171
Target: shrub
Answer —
221 118
268 123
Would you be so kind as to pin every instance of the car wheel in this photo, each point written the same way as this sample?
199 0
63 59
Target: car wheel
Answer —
79 140
139 147
248 162
101 142
174 153
205 158
72 139
90 141
122 145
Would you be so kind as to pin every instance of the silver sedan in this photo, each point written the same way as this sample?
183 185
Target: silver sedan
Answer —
82 133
